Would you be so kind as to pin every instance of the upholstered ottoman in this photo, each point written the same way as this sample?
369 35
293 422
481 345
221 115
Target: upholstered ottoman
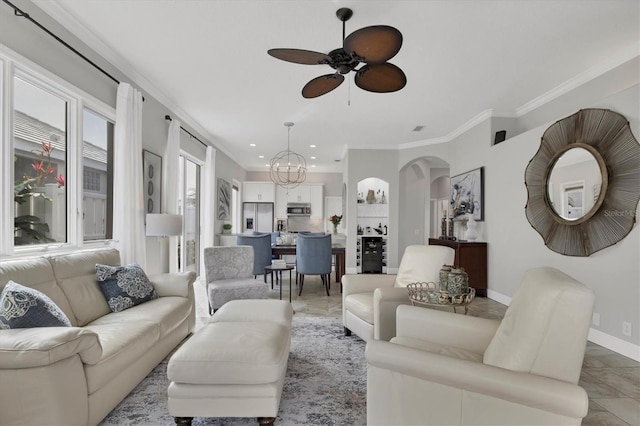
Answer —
235 365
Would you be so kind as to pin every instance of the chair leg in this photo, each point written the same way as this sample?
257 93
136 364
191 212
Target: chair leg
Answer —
301 284
326 283
347 332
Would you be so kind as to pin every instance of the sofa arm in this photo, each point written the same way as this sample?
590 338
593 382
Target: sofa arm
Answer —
42 346
445 328
363 283
530 390
385 303
175 284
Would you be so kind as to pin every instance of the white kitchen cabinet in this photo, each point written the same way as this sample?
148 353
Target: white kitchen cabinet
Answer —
306 193
259 192
281 202
316 197
300 194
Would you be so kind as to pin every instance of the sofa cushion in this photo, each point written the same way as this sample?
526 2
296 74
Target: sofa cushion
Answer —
167 312
232 353
122 345
24 307
422 263
361 305
76 275
124 286
37 274
545 328
435 348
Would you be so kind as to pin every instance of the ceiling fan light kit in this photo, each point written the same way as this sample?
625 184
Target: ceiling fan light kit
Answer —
288 169
372 46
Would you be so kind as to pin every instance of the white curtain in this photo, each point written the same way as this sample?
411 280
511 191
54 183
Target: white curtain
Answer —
210 191
170 171
128 200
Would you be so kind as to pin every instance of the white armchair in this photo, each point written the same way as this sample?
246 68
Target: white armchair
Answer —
369 301
444 369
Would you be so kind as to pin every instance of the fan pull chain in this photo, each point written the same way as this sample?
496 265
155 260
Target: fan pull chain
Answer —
349 92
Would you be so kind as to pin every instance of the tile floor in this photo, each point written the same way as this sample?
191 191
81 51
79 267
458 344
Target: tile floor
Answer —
612 381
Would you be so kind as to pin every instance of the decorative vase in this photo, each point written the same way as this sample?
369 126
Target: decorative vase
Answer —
335 228
371 196
443 283
472 228
457 281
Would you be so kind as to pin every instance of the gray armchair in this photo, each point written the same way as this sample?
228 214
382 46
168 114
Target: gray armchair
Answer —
313 257
229 276
261 243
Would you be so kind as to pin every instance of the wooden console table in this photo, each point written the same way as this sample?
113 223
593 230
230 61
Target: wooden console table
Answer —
472 256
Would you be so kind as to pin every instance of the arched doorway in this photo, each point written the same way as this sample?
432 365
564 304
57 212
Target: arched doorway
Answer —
423 184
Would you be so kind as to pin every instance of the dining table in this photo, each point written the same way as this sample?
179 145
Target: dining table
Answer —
338 250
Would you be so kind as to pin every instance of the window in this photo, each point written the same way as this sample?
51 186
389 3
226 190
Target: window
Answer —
40 158
189 207
97 176
57 161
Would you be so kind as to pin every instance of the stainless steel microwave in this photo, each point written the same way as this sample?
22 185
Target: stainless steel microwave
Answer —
298 209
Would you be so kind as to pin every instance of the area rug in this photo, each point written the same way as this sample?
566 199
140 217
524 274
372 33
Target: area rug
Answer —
325 383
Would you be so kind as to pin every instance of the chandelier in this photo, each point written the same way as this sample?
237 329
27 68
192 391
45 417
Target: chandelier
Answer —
288 169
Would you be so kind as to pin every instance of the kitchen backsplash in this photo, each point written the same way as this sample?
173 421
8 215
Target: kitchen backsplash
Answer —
299 224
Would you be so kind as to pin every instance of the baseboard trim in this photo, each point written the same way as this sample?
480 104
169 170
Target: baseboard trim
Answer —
605 340
615 344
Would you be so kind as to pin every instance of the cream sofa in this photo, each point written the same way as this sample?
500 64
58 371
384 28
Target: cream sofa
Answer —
450 369
76 375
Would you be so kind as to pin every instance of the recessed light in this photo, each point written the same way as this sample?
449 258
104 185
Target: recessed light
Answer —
267 165
260 156
252 144
313 165
312 146
313 158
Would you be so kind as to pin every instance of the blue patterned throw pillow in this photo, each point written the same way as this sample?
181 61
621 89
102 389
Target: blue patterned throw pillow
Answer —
25 307
124 286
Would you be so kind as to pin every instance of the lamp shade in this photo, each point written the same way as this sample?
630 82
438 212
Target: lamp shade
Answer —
163 225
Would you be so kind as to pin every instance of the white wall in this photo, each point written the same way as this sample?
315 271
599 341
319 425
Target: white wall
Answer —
514 246
362 164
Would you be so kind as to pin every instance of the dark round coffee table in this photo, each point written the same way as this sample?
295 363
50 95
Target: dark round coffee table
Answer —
270 269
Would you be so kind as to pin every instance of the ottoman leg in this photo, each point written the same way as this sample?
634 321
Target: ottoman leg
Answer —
266 420
184 421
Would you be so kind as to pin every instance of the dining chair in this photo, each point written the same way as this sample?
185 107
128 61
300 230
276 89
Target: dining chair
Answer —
261 244
313 257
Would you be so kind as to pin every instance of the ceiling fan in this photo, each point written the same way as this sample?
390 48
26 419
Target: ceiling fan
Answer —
373 46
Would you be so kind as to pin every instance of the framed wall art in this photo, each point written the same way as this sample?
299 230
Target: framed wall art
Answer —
152 181
467 194
224 199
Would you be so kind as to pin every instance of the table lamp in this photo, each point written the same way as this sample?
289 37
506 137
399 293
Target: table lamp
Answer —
164 225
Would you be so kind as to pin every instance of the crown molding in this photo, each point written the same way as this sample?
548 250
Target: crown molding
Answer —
580 79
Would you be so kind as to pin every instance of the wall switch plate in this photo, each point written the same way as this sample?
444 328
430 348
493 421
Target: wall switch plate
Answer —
626 328
596 319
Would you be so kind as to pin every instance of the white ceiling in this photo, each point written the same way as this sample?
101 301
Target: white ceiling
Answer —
463 59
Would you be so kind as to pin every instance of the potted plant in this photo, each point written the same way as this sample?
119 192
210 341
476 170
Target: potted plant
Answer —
226 228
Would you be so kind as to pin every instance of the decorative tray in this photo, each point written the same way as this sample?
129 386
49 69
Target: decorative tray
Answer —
428 293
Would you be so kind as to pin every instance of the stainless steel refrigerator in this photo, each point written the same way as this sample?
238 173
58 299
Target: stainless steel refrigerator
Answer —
257 217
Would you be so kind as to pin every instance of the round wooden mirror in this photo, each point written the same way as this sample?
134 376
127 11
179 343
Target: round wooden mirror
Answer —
583 184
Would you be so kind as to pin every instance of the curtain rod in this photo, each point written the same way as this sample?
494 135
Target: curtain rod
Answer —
168 117
20 13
